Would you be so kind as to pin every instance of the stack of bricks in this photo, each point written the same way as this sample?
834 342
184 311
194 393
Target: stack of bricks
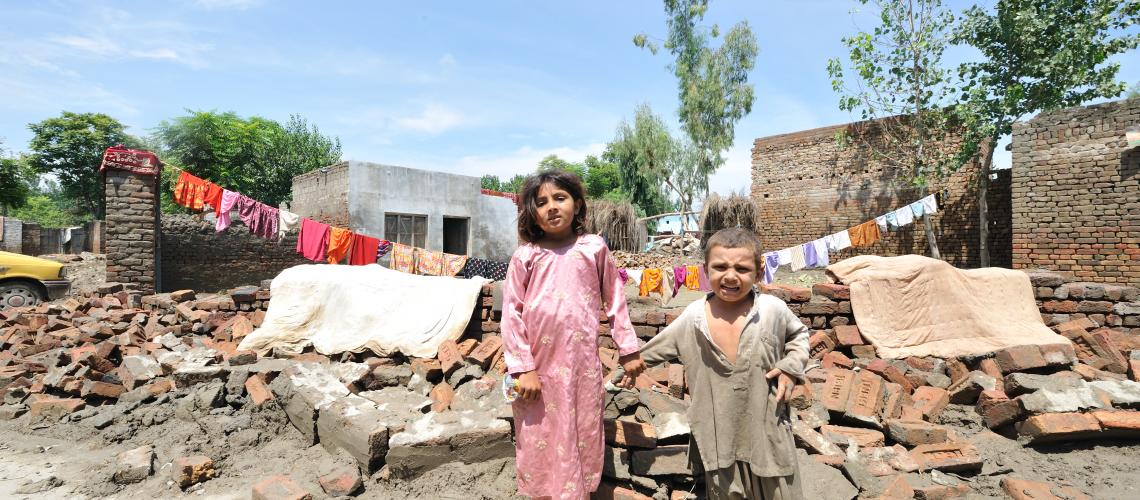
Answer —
196 256
131 229
1062 299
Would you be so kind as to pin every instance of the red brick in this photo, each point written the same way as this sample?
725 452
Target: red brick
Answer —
630 434
342 482
449 357
466 347
1118 420
948 457
655 318
991 368
427 368
54 407
939 492
895 401
836 359
608 491
1090 374
848 335
916 432
1021 489
279 488
192 470
897 488
1019 358
1134 369
1058 354
441 396
956 369
863 351
102 389
865 438
1082 324
257 389
877 366
832 460
837 390
930 401
486 351
998 413
1052 426
820 344
866 397
1106 348
832 291
920 364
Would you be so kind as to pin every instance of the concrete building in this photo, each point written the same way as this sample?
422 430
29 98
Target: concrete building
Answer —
431 210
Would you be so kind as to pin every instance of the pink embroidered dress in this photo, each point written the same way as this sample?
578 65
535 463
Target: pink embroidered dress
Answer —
551 300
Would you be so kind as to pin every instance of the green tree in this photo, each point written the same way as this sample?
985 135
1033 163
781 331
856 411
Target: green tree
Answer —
553 162
255 156
602 178
14 179
515 184
47 211
648 159
895 75
491 182
1036 55
712 83
71 148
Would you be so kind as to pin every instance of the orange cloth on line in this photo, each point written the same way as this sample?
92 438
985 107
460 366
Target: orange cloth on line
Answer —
403 258
865 234
339 242
213 196
651 282
429 263
453 264
693 277
190 191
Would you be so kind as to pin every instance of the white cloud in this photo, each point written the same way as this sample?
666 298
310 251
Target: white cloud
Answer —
72 95
98 46
447 60
523 160
433 119
227 4
735 176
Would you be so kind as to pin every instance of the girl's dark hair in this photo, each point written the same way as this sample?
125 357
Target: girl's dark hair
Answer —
529 230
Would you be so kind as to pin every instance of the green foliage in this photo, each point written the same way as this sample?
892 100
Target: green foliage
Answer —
553 162
649 160
15 176
48 211
71 148
491 182
897 70
602 178
254 156
712 83
1042 55
514 185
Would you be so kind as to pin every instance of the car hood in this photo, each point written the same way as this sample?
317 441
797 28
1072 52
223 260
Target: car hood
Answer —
15 263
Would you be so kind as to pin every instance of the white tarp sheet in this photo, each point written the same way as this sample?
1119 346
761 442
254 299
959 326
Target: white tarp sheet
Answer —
351 308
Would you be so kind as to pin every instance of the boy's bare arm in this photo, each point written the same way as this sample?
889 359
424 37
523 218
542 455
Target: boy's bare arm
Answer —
663 346
796 352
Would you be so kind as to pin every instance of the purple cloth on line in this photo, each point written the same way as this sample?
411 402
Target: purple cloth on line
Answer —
771 262
259 217
811 258
624 276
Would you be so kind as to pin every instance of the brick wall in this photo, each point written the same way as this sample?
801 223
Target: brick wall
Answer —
131 241
1076 195
807 186
195 256
322 195
13 235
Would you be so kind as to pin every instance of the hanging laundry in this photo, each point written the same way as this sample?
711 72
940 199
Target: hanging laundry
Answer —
403 258
286 221
904 216
929 204
785 256
865 234
190 191
798 261
771 263
383 249
229 199
916 209
703 279
881 221
822 259
635 276
261 219
666 286
651 280
340 241
313 240
495 271
679 275
213 196
693 277
362 250
624 276
892 222
453 264
839 241
429 263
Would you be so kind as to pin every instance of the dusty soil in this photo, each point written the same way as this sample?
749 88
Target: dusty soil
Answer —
86 271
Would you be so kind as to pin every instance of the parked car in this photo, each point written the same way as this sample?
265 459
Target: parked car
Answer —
27 280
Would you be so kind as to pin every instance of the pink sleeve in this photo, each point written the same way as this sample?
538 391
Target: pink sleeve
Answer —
516 352
613 294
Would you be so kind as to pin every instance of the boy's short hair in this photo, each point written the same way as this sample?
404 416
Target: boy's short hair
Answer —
736 237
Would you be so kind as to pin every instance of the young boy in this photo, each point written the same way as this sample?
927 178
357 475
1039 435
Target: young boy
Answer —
742 353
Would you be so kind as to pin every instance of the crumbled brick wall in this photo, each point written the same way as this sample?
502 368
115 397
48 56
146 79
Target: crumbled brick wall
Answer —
1076 195
322 196
13 235
31 239
130 229
807 186
195 256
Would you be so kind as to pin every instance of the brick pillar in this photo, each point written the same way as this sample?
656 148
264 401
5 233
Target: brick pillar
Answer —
132 229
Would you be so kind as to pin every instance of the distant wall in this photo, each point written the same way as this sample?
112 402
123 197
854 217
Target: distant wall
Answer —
196 256
322 195
1076 193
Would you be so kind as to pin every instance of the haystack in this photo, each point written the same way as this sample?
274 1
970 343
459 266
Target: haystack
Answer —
617 223
719 213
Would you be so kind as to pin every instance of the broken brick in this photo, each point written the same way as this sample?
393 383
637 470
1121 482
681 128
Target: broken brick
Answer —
1021 489
863 351
940 492
820 343
1019 358
930 401
192 470
1052 426
279 488
258 390
1119 420
441 396
836 359
629 434
832 291
916 432
864 438
676 380
342 482
449 357
837 389
948 457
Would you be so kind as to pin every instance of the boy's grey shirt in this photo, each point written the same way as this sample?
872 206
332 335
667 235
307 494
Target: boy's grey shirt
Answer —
733 414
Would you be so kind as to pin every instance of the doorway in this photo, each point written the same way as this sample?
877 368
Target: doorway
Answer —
455 235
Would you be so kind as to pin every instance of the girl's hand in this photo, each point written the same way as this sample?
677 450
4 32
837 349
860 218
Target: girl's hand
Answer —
530 388
633 366
784 385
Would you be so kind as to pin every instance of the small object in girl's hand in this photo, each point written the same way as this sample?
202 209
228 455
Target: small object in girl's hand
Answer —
510 388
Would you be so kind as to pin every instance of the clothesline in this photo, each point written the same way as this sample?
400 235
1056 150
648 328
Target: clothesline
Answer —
816 253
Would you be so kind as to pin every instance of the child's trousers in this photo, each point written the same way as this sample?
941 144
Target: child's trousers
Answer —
739 483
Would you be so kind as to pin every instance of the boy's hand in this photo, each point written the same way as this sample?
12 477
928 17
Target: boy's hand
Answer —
784 385
633 366
530 388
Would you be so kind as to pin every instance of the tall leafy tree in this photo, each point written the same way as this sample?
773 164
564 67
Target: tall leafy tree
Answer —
649 160
514 185
553 162
602 179
14 178
712 82
491 182
255 156
70 147
1037 55
895 75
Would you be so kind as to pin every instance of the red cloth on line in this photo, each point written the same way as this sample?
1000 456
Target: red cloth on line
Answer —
213 196
313 240
364 250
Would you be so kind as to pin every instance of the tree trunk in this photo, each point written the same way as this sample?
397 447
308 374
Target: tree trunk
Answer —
930 239
986 158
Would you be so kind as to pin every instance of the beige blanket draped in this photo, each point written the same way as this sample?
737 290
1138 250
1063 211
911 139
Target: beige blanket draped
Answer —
917 306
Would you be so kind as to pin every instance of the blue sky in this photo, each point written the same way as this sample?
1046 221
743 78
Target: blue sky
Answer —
467 87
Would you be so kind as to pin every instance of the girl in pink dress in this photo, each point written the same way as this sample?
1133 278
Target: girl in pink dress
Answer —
556 284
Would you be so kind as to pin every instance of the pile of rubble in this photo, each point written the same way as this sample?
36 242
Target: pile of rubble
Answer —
629 260
675 245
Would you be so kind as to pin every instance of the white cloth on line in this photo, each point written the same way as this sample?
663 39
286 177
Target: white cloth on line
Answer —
634 276
785 256
798 259
286 221
904 216
930 204
839 241
882 222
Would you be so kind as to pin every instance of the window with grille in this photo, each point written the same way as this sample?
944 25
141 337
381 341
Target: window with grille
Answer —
406 229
